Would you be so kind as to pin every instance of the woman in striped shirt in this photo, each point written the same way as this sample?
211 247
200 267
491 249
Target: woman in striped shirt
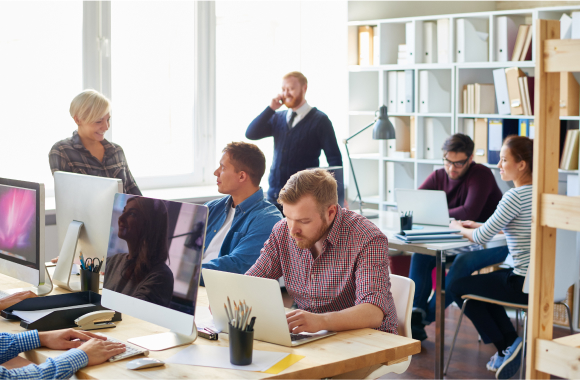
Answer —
513 217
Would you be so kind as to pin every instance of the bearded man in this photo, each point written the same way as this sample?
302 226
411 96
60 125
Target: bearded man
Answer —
335 262
300 134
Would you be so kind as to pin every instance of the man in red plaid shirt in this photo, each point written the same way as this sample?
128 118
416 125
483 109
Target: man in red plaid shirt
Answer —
334 261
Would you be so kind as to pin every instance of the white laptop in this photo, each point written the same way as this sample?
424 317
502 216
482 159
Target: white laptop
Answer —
428 206
264 297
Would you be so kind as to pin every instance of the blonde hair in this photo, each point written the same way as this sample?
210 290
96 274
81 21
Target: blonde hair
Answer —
318 183
298 75
89 106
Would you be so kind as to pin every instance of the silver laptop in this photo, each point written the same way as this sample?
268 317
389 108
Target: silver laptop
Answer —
264 297
428 206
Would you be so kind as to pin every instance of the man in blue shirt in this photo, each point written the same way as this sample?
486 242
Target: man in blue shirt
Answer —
300 134
84 349
239 224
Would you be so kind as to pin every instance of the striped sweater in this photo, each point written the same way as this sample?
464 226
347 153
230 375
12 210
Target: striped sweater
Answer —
513 216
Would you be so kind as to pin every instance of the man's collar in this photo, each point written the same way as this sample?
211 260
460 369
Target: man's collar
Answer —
248 202
302 110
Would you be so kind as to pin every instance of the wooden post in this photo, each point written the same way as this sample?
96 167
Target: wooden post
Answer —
546 154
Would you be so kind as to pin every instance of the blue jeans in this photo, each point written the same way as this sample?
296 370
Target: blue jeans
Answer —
464 265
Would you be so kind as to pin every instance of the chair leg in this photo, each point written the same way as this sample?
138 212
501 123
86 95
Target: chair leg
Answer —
569 316
518 322
455 337
523 361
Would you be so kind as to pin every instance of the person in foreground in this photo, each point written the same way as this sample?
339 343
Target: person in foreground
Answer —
84 349
514 217
300 133
240 223
472 194
87 151
335 262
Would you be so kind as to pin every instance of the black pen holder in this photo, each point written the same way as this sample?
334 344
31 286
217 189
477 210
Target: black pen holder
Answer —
241 345
406 223
89 280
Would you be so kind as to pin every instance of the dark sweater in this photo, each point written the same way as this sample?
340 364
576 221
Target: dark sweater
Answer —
474 196
296 148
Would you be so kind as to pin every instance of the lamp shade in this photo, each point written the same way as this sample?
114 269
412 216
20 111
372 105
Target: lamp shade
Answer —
383 128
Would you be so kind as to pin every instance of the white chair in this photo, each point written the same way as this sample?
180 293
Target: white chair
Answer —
567 275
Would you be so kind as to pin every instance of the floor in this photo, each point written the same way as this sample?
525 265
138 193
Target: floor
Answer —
469 356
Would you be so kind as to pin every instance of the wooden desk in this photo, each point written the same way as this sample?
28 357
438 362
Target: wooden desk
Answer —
390 224
347 351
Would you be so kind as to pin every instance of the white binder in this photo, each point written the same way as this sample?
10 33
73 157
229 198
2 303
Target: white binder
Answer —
565 27
390 183
409 91
501 92
443 40
575 25
401 92
435 136
429 42
410 42
392 143
432 97
505 36
392 91
472 40
469 128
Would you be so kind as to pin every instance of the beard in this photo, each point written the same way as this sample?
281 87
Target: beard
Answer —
295 101
309 243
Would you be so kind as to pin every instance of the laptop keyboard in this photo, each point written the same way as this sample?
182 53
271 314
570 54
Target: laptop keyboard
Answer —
295 337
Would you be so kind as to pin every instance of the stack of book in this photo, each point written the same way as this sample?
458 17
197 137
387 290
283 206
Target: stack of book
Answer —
514 92
522 47
431 235
569 159
478 98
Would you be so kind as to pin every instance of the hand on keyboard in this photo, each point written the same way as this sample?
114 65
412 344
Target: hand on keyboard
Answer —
99 350
130 350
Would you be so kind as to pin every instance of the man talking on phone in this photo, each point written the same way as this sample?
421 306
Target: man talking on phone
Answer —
300 134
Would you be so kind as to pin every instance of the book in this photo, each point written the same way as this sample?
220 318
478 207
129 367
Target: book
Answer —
484 98
365 45
526 51
512 74
523 96
413 136
520 41
376 44
471 99
480 141
529 92
569 160
465 106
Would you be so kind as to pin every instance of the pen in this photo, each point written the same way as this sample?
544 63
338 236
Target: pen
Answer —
251 326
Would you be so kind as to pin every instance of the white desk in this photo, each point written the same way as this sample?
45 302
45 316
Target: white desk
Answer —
389 222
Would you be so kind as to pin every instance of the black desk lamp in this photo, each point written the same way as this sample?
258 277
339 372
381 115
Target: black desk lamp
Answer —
383 130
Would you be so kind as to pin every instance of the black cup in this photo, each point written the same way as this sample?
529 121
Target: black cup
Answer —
241 345
406 223
89 280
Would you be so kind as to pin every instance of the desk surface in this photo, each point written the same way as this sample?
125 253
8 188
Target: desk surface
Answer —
390 224
347 351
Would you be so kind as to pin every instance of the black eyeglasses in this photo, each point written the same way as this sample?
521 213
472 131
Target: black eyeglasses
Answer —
457 164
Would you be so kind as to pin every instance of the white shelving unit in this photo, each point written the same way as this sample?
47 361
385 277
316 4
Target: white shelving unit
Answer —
369 89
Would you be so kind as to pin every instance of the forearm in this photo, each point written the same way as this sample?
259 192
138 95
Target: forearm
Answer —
467 232
261 126
61 367
364 315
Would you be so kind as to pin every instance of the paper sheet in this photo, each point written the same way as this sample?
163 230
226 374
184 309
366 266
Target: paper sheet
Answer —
219 357
34 315
204 319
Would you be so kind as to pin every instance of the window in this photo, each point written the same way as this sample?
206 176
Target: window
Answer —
153 86
257 43
41 48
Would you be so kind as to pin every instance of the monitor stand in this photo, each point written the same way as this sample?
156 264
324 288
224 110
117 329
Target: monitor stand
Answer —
66 258
40 290
164 341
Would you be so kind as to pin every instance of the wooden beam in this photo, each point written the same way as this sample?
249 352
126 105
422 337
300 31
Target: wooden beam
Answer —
570 340
546 155
561 55
560 211
557 359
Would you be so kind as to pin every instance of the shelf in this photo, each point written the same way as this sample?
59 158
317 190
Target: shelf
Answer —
434 114
365 156
429 162
394 159
569 117
493 116
568 171
494 65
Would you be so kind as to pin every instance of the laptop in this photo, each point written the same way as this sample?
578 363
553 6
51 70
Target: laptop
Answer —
264 297
428 206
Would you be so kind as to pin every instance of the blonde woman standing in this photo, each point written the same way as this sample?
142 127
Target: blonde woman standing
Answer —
87 151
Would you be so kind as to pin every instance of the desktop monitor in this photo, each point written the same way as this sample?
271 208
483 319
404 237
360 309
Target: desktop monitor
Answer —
83 217
154 265
22 234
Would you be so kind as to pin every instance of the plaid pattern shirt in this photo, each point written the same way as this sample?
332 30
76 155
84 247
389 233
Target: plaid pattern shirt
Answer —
69 155
352 269
61 367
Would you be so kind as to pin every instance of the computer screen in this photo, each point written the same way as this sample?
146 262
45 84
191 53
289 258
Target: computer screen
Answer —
18 229
154 253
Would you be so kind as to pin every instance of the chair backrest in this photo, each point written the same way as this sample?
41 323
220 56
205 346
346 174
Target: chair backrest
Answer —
566 264
403 291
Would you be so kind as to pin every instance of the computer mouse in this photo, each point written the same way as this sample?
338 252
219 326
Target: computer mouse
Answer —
144 363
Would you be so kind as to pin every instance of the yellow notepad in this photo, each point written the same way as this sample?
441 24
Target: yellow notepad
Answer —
284 363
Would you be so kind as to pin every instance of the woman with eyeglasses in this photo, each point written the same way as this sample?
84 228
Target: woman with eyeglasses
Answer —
513 217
